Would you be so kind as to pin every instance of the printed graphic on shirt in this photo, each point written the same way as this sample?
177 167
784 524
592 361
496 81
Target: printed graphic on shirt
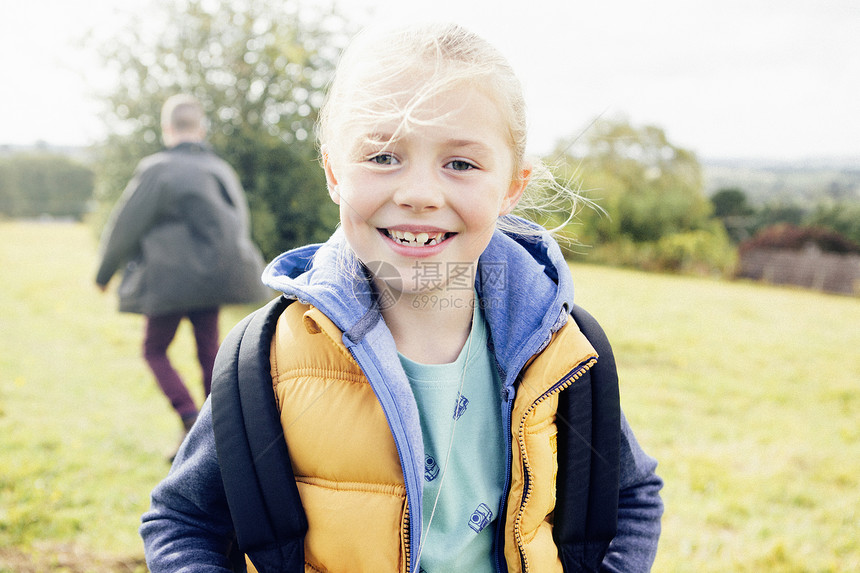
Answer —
431 468
481 518
460 408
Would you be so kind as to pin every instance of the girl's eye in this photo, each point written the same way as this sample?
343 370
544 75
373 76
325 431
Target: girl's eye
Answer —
461 165
383 159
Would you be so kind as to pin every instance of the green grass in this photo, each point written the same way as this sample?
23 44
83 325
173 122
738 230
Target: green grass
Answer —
748 395
84 431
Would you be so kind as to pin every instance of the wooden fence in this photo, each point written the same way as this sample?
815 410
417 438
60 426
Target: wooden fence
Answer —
809 267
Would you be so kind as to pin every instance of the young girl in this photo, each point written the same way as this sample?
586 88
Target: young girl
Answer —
422 371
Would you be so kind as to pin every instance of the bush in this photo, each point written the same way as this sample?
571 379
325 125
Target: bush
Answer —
697 252
44 184
700 252
795 238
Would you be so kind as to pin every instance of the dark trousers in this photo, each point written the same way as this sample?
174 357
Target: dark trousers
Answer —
160 331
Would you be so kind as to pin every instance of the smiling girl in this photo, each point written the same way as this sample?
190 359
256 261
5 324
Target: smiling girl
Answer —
424 371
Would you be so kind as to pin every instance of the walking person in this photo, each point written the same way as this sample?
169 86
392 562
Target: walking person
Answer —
181 234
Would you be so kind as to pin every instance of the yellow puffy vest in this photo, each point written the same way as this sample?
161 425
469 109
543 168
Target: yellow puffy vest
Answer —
347 468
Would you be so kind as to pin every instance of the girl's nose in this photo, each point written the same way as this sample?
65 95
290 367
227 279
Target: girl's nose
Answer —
420 191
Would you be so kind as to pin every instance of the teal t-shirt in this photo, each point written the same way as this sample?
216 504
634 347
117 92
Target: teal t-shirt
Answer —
463 526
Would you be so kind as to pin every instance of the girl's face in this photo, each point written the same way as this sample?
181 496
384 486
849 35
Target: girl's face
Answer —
427 202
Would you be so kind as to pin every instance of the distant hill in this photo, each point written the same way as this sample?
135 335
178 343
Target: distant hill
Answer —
77 152
804 183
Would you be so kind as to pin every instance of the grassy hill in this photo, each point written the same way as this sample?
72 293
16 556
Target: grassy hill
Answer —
748 395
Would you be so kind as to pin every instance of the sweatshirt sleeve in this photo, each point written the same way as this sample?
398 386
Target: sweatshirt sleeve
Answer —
640 509
132 217
188 526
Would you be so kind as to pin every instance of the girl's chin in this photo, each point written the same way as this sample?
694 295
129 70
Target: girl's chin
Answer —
429 277
442 297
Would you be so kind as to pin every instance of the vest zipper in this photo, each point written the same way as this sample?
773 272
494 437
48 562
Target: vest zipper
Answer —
508 394
404 532
408 524
566 381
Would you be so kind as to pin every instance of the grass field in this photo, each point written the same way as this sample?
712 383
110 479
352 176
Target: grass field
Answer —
748 395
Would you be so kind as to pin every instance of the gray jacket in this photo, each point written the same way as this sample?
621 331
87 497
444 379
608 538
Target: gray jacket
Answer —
182 231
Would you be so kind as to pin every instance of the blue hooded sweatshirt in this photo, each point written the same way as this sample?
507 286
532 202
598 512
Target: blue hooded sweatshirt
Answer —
526 291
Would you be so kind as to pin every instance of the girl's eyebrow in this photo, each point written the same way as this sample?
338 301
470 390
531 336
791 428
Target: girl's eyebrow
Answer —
466 143
371 142
377 137
460 144
472 146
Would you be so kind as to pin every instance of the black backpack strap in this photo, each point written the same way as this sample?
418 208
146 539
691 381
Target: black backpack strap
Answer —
264 501
589 433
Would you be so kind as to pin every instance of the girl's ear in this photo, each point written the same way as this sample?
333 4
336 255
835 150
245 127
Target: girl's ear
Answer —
330 178
515 191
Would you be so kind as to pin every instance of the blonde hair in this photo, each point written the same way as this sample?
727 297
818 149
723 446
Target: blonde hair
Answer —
423 61
386 74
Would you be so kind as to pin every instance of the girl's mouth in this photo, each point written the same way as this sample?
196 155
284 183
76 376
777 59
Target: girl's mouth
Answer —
421 239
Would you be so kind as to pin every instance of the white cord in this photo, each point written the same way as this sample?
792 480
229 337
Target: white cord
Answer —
426 533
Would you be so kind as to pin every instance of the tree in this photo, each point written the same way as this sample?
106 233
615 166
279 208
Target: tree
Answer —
259 68
652 209
842 217
648 186
731 202
8 195
732 208
36 184
774 213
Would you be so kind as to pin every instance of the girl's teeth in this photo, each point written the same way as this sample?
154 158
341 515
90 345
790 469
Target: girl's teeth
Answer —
420 239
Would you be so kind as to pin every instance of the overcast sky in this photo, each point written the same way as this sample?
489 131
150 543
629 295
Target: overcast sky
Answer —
772 79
